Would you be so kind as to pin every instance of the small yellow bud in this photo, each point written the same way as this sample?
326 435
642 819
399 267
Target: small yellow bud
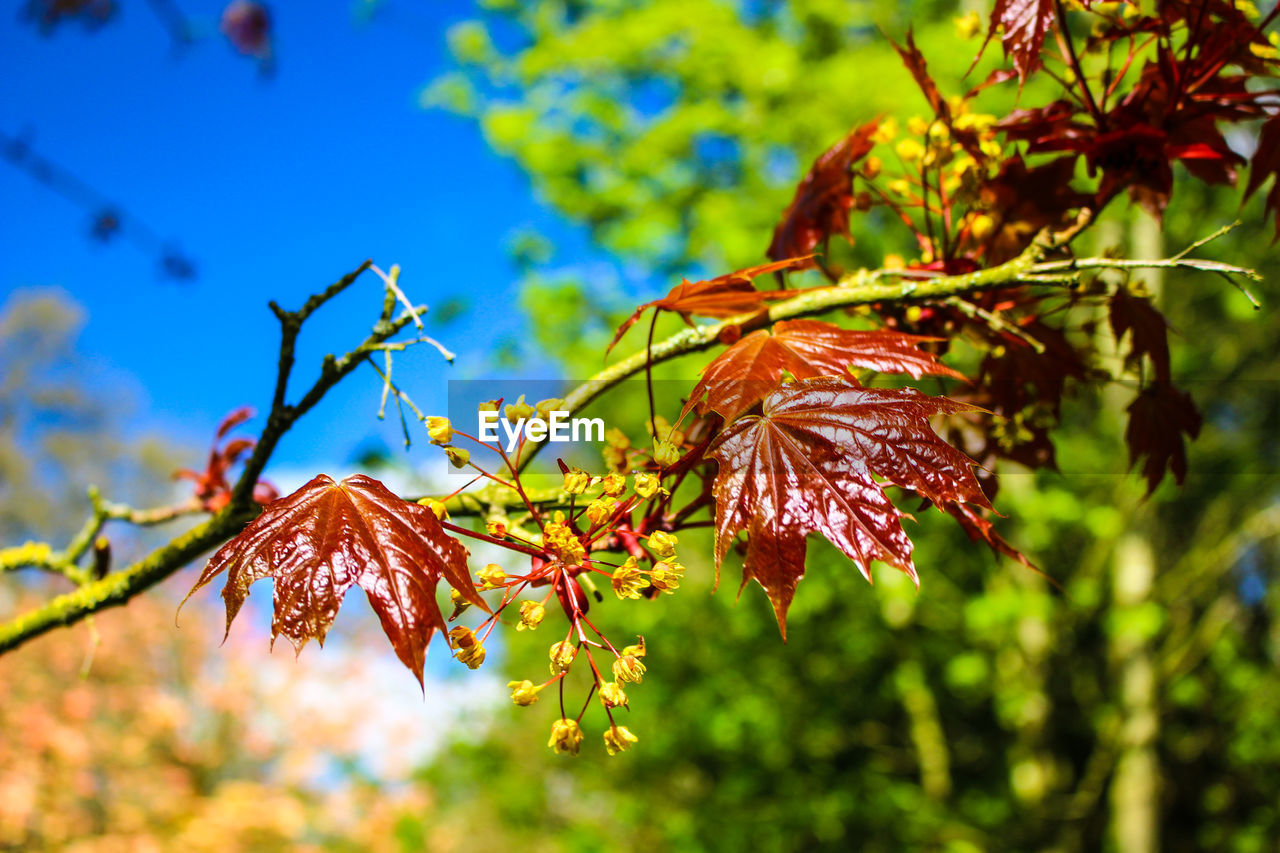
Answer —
576 481
562 655
659 428
457 457
601 510
636 650
646 485
629 669
990 147
492 577
909 150
628 581
615 437
467 646
886 131
614 484
546 407
488 406
1263 51
666 454
975 121
871 167
894 262
901 187
968 26
496 525
981 226
663 544
566 737
618 739
518 411
917 126
440 430
523 693
531 615
459 603
437 507
612 694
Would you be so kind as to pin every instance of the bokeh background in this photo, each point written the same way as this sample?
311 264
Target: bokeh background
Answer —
537 169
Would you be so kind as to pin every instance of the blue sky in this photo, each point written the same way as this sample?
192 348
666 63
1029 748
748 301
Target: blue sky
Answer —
275 187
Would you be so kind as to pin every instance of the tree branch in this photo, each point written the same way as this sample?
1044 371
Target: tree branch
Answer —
866 287
117 588
860 288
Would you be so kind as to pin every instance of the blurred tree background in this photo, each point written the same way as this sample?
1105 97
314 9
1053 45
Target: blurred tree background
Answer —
1135 709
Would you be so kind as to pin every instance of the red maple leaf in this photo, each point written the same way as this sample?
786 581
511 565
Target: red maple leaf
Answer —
751 369
723 296
820 208
809 464
914 60
1025 23
212 486
319 541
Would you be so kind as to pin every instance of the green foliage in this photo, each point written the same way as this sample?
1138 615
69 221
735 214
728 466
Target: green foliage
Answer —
676 129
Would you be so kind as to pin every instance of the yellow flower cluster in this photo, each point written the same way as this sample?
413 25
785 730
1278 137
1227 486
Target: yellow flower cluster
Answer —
566 734
560 540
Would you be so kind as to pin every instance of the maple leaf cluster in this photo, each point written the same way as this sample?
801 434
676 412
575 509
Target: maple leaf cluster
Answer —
212 486
787 433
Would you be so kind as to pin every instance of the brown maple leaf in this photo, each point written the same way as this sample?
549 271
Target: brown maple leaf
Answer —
915 62
820 208
1150 332
319 541
809 464
723 296
1266 163
751 369
1158 418
1022 200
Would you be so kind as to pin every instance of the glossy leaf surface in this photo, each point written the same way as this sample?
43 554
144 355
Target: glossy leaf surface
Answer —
328 536
748 371
810 463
